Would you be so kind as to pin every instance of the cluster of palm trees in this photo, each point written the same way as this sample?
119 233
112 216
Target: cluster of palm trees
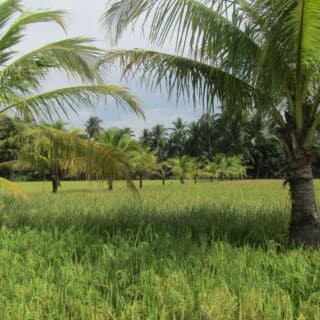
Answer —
144 162
251 135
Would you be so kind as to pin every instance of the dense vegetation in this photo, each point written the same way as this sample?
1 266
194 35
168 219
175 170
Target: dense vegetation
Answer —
205 251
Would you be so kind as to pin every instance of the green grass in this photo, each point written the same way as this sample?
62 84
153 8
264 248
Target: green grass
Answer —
206 251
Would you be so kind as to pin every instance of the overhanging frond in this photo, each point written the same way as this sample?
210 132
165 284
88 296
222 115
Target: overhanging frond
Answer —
62 101
184 77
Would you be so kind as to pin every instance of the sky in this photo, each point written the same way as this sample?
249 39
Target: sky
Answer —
83 20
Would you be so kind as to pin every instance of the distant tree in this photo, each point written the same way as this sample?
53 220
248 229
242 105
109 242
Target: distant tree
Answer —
146 138
93 127
163 170
120 141
181 167
178 138
196 170
159 141
143 162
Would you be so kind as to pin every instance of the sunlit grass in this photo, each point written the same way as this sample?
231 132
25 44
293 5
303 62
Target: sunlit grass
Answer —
206 251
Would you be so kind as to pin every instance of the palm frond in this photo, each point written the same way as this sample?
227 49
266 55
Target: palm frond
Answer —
64 100
14 34
184 76
74 56
196 25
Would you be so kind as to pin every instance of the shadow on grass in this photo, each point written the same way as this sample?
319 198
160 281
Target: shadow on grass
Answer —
199 224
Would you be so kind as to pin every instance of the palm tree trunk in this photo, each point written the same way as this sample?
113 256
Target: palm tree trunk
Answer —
305 222
110 184
55 183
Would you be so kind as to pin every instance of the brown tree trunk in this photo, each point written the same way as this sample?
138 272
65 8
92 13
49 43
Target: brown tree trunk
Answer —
55 183
140 182
110 184
182 180
163 181
305 222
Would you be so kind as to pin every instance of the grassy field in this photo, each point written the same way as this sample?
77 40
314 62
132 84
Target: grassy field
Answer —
206 251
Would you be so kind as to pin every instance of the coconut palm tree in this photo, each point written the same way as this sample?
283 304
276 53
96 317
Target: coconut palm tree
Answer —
48 149
143 162
21 77
196 170
93 127
181 167
146 138
120 141
245 54
159 141
178 138
163 171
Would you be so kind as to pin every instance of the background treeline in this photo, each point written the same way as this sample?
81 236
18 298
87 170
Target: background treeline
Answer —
248 139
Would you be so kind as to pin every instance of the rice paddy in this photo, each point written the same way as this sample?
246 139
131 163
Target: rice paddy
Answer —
195 251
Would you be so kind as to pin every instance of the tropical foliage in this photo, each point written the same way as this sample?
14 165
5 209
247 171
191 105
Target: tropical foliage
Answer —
245 54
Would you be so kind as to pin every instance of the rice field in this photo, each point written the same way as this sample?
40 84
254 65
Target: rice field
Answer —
206 251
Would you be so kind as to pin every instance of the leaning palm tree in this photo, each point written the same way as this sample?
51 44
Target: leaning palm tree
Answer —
245 54
21 77
46 149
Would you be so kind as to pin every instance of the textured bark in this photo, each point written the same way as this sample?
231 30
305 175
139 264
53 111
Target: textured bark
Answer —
305 223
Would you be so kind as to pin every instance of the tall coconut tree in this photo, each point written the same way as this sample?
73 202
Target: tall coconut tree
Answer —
245 54
22 76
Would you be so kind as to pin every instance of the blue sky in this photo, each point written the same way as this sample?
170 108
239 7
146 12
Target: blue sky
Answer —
83 20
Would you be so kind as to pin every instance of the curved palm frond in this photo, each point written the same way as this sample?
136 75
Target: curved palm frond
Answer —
14 33
63 100
198 26
74 56
184 76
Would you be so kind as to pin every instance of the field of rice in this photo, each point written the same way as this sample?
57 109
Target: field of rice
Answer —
195 251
